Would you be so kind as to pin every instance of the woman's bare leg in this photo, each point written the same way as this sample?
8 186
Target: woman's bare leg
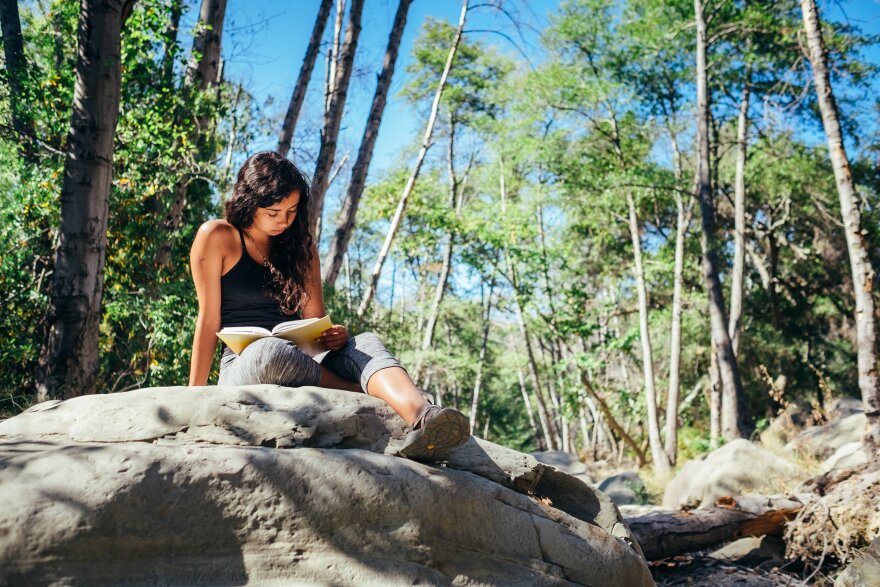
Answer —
334 381
394 386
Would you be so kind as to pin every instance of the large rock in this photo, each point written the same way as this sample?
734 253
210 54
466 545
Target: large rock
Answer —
823 441
565 462
191 486
848 455
625 488
736 468
786 425
864 571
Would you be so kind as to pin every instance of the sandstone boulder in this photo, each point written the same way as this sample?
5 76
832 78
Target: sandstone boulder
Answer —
864 571
625 488
736 468
565 462
823 441
848 455
269 485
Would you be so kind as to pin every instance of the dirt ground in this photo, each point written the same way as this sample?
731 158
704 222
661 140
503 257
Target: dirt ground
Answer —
699 570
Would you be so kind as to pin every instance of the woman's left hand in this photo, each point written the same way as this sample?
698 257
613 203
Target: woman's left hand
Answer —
334 338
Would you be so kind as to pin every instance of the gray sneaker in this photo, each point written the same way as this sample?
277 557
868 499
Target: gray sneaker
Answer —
435 433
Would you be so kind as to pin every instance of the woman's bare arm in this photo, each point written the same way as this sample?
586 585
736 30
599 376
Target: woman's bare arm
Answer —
206 263
314 306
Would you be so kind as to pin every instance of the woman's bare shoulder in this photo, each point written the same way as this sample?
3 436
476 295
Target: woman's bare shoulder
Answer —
216 233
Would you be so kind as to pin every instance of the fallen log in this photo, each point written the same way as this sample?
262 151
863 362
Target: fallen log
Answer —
665 534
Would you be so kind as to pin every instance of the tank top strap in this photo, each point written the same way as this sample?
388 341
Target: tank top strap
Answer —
241 238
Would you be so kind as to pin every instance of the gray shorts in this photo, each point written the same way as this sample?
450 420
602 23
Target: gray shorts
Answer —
280 362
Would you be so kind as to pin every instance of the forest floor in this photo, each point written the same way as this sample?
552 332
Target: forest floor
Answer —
699 569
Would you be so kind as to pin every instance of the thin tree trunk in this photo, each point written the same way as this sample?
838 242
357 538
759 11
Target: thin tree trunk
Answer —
16 70
715 399
681 228
455 202
345 227
661 460
478 379
739 200
69 361
612 421
333 56
734 412
539 439
285 138
171 31
410 184
860 262
203 71
330 132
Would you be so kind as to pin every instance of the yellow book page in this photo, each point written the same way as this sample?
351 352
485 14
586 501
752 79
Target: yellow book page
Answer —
304 336
238 341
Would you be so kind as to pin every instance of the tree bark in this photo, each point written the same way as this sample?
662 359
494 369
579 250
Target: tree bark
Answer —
539 439
860 262
285 138
176 11
681 227
68 363
333 119
667 534
661 460
203 71
411 182
739 201
345 227
333 56
478 379
16 70
734 412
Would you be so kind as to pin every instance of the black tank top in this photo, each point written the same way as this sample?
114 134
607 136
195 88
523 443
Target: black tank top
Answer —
244 297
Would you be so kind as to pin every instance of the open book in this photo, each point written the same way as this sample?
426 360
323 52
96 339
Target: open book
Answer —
302 333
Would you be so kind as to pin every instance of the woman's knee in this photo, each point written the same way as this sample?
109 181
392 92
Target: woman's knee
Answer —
281 362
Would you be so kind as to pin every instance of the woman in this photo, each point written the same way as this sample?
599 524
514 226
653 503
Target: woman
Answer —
260 267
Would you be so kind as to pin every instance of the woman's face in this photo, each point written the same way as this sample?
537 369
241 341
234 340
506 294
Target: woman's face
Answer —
276 218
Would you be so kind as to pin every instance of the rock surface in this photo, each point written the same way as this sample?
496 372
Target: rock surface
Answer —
188 486
625 488
848 455
823 441
565 462
864 571
736 468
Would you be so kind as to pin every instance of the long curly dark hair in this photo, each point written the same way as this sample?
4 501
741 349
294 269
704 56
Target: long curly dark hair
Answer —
265 179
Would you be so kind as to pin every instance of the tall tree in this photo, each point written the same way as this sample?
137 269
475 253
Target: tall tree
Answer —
734 414
859 260
285 138
370 290
345 226
739 201
16 69
333 118
203 71
68 363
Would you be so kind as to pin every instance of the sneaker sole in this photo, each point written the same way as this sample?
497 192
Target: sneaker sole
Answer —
441 434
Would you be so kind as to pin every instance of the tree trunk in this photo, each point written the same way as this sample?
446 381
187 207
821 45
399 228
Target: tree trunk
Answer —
860 262
69 361
671 440
612 421
734 412
333 56
739 199
16 70
203 71
333 119
171 31
345 227
715 398
661 460
539 439
478 379
411 182
663 535
285 138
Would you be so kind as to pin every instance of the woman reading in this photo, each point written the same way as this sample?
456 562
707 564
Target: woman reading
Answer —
260 267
